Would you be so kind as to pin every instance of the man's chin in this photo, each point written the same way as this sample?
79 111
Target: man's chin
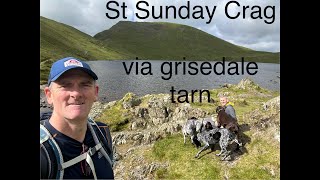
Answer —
77 112
77 115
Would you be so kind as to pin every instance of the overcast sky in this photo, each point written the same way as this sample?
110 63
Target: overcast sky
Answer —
89 16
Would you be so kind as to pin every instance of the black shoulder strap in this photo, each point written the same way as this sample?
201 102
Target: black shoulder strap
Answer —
100 138
105 138
48 162
48 159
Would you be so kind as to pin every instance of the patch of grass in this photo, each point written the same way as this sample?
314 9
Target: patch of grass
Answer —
161 173
209 107
244 100
261 162
251 173
144 101
182 161
115 117
241 102
121 125
128 96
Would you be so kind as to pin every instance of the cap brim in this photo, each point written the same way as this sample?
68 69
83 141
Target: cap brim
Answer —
90 72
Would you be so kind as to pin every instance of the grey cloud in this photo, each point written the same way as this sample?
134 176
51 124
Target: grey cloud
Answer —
89 16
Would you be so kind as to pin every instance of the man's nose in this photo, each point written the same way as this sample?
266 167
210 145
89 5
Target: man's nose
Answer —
76 92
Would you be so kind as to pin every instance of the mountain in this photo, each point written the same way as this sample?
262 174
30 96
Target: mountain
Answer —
145 40
59 40
169 41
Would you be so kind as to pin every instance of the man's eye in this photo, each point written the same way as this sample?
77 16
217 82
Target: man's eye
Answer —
87 85
65 85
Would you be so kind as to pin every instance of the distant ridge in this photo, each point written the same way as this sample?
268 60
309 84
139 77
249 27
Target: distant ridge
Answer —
162 40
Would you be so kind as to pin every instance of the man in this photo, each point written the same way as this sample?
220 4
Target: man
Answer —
224 101
72 90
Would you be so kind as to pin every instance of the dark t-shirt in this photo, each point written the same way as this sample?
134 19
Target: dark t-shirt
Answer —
72 148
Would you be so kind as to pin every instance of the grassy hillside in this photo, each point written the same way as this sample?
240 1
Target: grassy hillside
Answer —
154 40
128 40
59 40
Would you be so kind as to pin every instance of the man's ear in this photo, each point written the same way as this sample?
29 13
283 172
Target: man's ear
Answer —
48 94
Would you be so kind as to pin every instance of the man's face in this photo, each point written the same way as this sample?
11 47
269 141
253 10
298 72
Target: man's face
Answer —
223 101
72 94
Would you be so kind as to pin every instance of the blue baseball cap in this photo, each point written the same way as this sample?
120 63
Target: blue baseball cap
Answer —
63 65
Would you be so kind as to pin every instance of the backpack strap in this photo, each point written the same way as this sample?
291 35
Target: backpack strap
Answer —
45 137
102 138
101 141
85 156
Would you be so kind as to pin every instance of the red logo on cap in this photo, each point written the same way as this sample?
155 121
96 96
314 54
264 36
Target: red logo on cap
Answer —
72 62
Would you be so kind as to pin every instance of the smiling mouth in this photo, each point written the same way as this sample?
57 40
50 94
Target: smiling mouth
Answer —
76 103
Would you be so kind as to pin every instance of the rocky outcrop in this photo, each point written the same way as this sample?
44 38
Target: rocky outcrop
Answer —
158 121
247 83
266 119
244 84
130 100
272 104
97 108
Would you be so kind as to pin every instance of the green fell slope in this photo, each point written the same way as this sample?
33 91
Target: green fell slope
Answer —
161 40
59 40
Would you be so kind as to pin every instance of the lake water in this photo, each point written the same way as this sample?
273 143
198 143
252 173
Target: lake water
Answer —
115 83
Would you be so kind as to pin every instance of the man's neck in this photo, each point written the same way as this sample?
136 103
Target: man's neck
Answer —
75 129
